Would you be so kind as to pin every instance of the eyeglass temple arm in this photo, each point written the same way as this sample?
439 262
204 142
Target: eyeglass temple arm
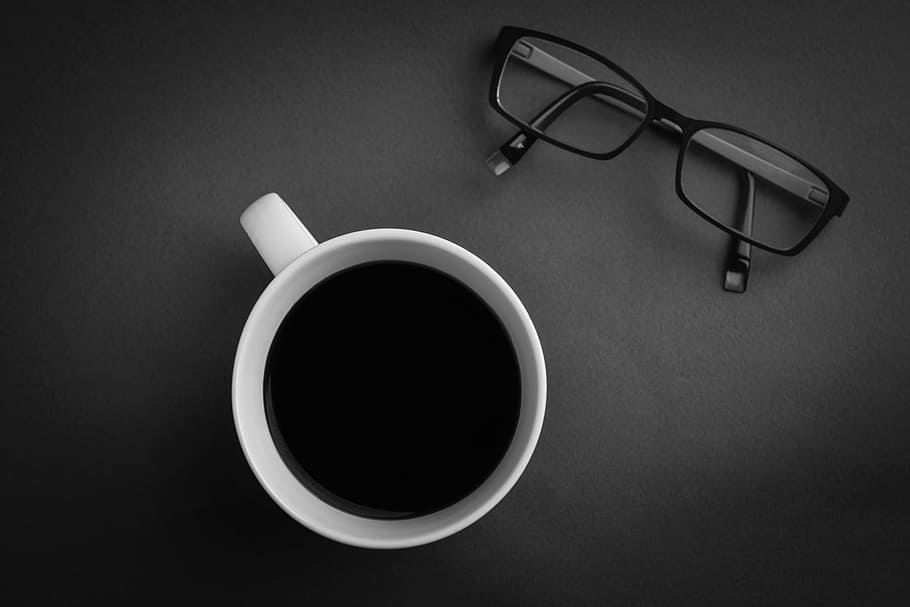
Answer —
739 260
505 158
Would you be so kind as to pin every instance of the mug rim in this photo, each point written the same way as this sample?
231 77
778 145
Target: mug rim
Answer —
271 474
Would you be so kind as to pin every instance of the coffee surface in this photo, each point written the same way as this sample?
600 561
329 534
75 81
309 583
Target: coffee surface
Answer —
392 390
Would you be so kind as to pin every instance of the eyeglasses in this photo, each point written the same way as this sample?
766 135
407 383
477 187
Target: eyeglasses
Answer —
578 100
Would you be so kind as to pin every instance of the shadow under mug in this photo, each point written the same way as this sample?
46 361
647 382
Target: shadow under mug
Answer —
299 263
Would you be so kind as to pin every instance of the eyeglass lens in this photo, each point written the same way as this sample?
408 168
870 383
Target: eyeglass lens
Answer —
569 96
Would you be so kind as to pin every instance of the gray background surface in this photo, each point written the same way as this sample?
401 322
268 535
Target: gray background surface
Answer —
699 447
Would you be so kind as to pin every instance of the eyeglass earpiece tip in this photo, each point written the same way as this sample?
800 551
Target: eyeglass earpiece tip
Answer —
735 281
498 163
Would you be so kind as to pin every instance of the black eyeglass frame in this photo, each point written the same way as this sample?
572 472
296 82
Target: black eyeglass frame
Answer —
656 110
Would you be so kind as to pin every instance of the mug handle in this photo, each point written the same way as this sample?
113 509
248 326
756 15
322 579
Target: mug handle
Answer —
276 232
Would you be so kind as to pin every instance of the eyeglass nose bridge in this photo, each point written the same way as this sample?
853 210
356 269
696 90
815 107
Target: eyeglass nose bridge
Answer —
669 118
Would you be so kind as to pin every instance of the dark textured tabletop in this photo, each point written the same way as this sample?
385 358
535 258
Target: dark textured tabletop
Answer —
699 448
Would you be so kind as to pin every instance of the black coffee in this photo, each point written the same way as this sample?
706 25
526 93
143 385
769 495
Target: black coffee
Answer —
392 390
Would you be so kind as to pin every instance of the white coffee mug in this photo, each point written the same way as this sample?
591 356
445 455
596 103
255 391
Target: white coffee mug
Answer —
299 263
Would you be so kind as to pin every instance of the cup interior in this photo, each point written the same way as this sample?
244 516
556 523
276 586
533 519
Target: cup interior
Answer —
288 286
